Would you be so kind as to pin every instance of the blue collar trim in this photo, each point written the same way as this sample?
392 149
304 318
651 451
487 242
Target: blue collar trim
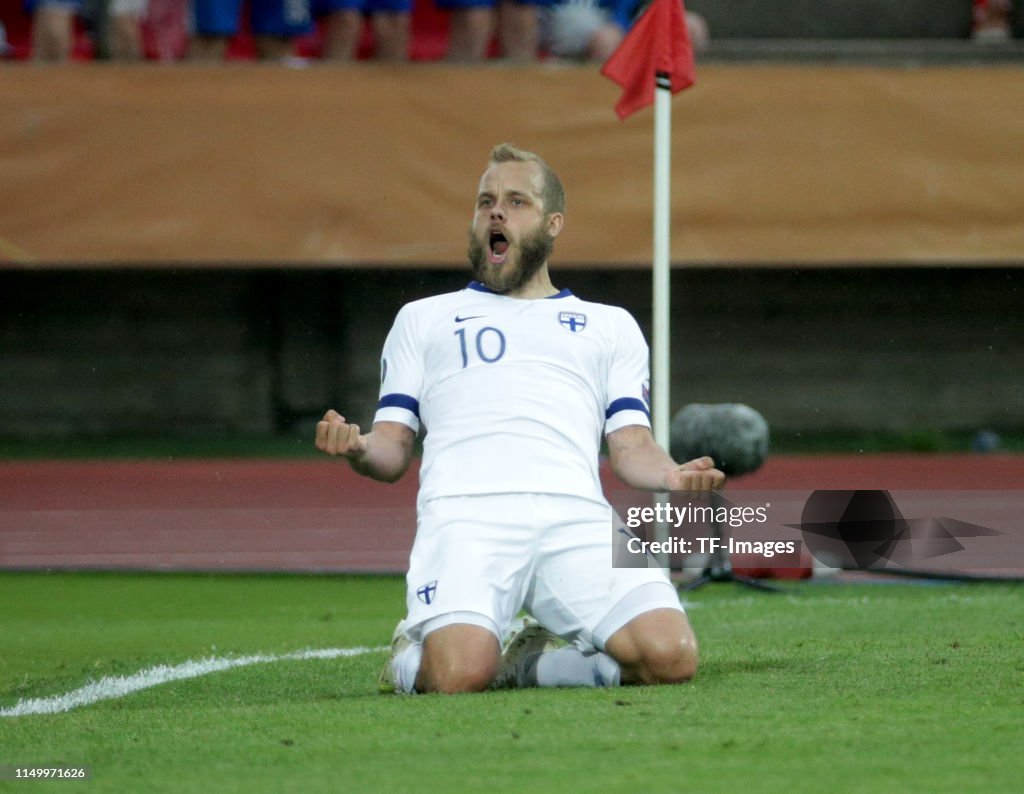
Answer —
562 293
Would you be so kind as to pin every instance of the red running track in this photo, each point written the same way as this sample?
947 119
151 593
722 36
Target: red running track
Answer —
317 516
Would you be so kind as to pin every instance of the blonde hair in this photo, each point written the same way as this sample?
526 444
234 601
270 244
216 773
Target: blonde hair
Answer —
553 194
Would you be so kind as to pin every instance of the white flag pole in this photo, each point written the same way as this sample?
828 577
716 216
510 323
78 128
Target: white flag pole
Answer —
660 369
660 393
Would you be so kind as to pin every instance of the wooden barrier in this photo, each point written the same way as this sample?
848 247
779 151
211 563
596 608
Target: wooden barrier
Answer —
366 165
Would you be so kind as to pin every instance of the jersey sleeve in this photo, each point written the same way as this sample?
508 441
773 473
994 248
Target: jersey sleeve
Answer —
401 368
629 376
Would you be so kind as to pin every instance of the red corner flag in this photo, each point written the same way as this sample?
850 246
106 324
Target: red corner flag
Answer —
657 43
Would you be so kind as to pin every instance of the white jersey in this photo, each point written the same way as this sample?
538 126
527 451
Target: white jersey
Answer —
514 394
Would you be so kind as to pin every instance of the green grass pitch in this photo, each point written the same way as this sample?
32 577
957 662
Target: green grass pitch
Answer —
838 688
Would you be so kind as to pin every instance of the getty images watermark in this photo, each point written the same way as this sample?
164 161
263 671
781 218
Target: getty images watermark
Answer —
956 532
676 518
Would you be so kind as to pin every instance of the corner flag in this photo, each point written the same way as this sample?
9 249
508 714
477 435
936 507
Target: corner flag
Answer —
654 61
658 44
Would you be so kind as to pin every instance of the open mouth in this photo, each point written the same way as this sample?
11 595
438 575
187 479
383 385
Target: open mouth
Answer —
497 247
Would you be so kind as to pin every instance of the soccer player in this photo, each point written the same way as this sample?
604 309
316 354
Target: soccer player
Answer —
515 381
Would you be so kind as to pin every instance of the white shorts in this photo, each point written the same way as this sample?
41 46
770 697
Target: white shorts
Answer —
491 556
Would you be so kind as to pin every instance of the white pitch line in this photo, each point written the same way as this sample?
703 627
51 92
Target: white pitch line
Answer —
111 687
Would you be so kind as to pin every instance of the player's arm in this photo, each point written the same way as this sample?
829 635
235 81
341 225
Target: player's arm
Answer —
382 454
640 463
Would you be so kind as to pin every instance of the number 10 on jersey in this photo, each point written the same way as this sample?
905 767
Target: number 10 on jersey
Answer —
488 341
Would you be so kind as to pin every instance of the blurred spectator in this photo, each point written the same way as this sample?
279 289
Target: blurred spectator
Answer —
343 27
991 20
593 29
53 27
166 29
275 25
474 22
124 33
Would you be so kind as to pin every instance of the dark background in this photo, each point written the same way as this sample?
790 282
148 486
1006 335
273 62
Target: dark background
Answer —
925 355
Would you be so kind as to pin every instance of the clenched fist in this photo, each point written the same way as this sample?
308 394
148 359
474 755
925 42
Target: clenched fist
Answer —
335 436
695 475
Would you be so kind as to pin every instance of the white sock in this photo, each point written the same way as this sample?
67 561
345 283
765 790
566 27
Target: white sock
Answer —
571 667
406 666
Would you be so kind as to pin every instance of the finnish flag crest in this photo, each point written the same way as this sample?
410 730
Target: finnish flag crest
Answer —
573 321
426 592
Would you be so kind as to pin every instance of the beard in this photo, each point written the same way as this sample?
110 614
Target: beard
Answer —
534 251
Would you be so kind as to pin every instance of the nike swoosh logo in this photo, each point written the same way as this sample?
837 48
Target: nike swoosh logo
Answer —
471 317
